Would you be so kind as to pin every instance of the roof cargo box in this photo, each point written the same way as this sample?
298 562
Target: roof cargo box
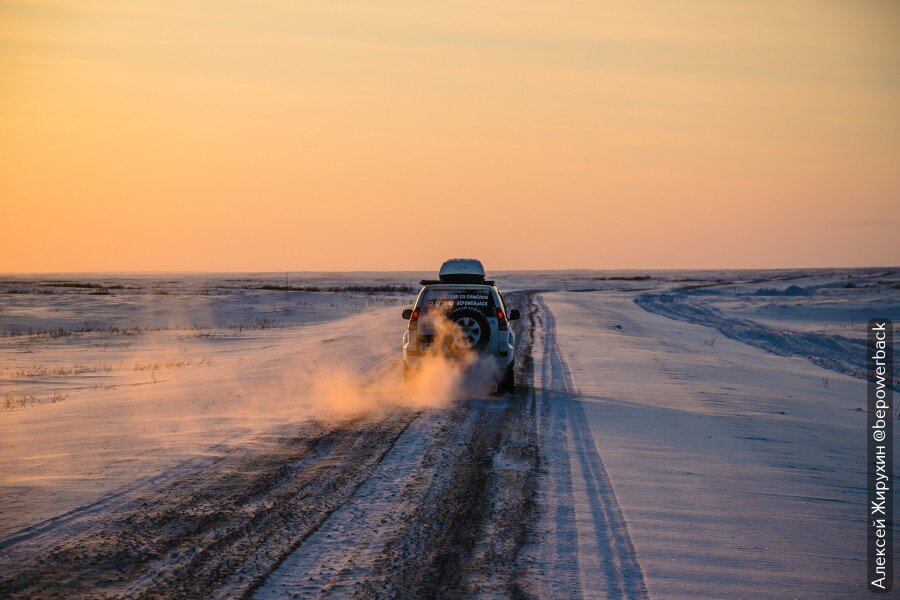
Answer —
462 270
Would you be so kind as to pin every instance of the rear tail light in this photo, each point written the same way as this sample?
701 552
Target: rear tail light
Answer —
414 320
502 323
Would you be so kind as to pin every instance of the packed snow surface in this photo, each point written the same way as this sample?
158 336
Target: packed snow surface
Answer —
673 434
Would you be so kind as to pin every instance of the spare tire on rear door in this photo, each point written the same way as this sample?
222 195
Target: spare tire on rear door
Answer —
470 331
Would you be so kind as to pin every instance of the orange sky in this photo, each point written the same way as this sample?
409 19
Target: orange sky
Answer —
287 135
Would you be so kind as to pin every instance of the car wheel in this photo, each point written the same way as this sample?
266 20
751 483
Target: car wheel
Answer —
470 331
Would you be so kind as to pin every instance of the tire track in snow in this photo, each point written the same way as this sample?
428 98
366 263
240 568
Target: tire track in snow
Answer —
584 499
338 556
829 351
559 553
206 534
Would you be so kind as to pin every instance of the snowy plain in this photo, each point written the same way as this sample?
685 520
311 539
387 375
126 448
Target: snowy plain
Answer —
704 463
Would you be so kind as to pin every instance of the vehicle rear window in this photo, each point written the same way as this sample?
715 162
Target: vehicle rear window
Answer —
445 300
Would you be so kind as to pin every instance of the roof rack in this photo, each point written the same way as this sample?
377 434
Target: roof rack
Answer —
439 282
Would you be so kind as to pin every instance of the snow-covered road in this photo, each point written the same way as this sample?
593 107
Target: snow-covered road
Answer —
739 473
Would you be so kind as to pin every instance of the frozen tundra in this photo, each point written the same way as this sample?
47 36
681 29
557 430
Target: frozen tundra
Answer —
461 316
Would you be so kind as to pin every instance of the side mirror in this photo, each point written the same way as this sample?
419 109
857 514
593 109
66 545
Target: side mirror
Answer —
513 315
407 313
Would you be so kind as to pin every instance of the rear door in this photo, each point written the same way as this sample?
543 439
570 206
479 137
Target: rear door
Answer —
439 301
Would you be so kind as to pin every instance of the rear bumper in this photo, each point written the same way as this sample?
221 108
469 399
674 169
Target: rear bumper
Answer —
503 357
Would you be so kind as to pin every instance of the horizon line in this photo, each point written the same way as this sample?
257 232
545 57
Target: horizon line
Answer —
321 271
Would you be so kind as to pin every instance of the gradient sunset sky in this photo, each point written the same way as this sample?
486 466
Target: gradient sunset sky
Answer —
344 135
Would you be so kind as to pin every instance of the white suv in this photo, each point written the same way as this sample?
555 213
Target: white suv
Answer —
461 315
